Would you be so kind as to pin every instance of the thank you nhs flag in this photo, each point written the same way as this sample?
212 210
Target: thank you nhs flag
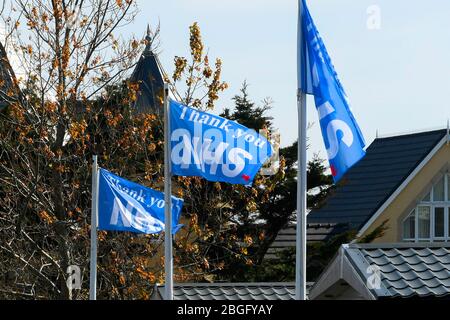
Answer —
215 148
127 206
316 75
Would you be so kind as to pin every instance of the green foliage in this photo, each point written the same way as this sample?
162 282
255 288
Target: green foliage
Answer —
376 233
319 183
247 113
320 254
282 267
279 269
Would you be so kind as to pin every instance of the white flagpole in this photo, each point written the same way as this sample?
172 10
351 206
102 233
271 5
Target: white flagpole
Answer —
168 258
300 258
94 223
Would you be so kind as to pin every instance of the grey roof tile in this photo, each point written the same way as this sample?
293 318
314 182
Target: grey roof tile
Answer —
215 291
399 284
442 274
233 291
405 292
243 291
267 291
379 261
433 268
441 291
201 291
410 271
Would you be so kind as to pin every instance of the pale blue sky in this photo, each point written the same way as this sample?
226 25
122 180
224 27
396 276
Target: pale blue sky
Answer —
397 78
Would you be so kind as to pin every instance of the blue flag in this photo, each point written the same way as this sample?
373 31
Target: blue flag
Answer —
215 148
127 206
316 75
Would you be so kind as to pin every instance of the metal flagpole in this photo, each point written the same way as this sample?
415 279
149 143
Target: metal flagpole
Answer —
300 274
300 258
168 258
94 223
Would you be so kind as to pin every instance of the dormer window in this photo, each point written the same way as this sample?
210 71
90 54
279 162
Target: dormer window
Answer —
430 219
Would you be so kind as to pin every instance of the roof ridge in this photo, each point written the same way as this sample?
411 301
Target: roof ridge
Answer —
412 133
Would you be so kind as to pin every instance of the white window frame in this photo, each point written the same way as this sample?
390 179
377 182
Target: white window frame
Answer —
415 225
432 205
433 234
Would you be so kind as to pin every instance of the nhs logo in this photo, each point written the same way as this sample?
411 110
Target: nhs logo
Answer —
342 136
215 148
128 206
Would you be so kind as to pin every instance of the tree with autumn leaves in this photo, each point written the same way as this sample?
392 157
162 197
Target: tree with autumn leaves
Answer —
71 55
76 102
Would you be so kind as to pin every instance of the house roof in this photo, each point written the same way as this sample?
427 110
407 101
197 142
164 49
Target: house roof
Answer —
406 270
230 291
149 74
316 232
368 184
6 77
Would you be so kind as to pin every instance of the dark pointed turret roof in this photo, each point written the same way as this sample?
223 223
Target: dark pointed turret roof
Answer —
8 88
150 76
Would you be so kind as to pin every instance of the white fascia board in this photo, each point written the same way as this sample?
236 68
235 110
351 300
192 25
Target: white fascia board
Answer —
340 268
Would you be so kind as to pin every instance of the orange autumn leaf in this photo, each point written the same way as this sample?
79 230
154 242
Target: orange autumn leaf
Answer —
46 217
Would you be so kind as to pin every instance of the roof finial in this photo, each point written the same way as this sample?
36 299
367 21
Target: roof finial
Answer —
148 40
149 33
